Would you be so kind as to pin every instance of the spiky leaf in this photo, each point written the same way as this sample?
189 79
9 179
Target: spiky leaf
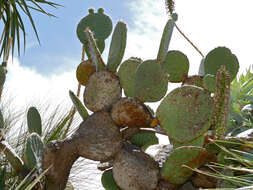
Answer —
126 74
34 121
185 110
117 47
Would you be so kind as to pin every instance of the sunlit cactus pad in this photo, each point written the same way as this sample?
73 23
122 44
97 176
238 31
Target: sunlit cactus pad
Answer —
34 121
176 64
221 56
131 112
108 181
134 169
199 141
185 113
150 82
126 74
84 71
103 89
173 169
99 23
98 138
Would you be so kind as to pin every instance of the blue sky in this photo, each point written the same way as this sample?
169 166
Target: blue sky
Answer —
58 35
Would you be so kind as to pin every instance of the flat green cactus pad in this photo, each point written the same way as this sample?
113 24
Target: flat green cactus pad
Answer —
34 121
194 80
102 90
99 23
173 169
33 153
144 139
209 82
185 110
150 82
84 71
126 74
101 45
131 112
117 47
108 181
195 142
221 56
176 64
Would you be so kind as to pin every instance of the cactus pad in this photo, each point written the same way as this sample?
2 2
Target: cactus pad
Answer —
144 139
101 45
126 74
131 112
117 47
194 80
176 64
84 71
195 142
218 57
173 169
33 154
185 110
102 90
34 121
134 169
150 82
209 83
99 23
98 138
108 181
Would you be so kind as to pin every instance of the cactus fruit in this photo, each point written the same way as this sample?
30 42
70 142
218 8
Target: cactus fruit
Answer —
78 105
176 65
126 74
33 153
131 112
218 57
199 141
99 23
108 181
165 41
34 121
174 170
209 82
84 71
98 138
185 110
134 169
150 82
144 139
117 47
102 90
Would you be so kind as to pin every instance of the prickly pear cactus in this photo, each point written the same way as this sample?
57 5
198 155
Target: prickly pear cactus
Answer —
34 121
199 141
108 181
209 83
84 71
144 139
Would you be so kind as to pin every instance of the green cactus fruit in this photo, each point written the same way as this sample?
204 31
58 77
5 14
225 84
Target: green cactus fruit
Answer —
92 51
98 137
199 141
185 110
78 105
33 153
150 82
176 65
102 90
131 112
84 71
133 169
117 47
174 170
209 82
144 139
99 23
165 41
194 80
218 57
34 121
108 181
201 68
126 74
100 45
